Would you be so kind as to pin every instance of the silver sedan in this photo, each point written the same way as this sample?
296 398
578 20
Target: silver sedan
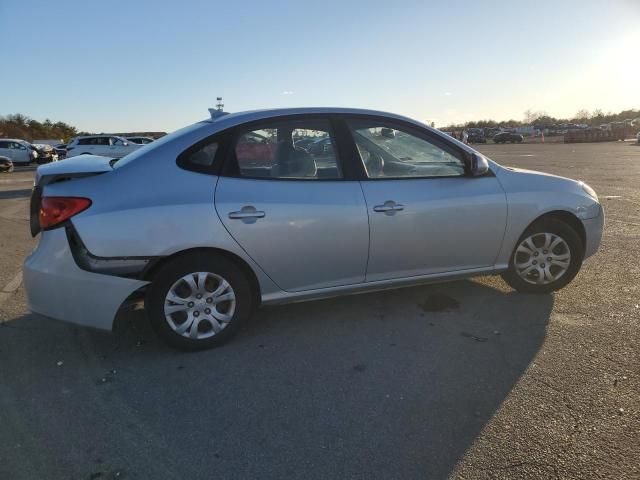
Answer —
276 206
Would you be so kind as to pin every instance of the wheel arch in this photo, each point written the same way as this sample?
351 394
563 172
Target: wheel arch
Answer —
149 273
566 217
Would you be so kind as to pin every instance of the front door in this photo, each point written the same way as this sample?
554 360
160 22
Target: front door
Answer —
19 153
290 208
426 215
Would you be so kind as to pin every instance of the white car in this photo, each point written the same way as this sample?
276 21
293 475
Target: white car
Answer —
102 145
140 140
19 151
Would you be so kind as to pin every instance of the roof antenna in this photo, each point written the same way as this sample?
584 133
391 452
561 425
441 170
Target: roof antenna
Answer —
218 111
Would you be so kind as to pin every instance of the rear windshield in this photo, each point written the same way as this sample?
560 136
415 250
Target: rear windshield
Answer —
158 143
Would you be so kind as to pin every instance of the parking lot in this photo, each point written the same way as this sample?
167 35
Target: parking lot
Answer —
464 380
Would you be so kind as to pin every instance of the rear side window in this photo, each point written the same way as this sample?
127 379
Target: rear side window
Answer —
203 157
94 141
302 149
4 144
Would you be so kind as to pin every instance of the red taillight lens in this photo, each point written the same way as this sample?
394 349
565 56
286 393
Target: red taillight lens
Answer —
55 210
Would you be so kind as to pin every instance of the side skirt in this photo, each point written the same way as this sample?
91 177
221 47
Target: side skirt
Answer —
354 289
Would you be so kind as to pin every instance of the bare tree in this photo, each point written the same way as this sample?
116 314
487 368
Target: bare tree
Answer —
530 116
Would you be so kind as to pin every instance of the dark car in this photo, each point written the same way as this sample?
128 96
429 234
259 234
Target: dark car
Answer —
6 165
61 150
322 146
505 137
476 137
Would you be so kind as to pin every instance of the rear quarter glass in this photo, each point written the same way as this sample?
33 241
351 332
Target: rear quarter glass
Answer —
139 152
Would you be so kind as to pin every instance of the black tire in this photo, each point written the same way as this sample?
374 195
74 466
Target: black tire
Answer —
576 249
174 270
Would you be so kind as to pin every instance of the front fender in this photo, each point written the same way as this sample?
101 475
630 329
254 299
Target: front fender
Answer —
531 195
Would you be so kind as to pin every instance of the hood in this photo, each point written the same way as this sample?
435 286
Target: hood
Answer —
80 166
536 173
520 179
43 147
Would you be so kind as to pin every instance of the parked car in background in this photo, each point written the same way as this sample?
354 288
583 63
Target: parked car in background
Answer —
321 146
139 140
6 165
504 137
19 151
102 145
46 153
55 144
61 150
476 135
207 234
638 138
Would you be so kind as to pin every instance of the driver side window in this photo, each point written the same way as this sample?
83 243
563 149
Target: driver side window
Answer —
389 152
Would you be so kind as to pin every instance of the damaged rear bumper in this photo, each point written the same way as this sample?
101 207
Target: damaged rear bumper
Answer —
58 288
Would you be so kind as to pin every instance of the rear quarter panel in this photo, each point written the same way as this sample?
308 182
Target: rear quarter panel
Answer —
151 207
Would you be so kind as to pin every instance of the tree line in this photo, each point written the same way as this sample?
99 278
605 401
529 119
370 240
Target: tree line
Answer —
541 118
25 128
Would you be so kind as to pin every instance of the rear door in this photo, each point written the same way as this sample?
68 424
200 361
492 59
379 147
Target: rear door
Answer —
116 148
19 153
294 212
427 216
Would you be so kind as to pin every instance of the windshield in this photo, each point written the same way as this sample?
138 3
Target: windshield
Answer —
158 143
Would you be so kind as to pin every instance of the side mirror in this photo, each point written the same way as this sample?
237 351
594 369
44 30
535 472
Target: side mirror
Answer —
479 165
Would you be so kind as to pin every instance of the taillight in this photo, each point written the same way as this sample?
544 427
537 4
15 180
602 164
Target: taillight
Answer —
55 210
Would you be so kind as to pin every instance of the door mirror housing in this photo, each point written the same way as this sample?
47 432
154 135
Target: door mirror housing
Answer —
479 165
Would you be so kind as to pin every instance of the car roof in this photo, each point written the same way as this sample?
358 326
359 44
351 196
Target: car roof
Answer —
98 136
250 115
19 140
223 120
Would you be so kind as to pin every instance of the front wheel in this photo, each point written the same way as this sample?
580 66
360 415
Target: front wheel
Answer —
546 258
198 301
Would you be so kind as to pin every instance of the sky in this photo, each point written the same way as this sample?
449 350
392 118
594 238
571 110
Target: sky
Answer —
158 65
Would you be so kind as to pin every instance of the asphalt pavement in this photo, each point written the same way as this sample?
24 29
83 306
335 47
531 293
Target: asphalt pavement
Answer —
464 380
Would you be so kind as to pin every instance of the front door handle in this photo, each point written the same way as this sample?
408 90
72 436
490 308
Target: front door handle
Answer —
247 214
389 208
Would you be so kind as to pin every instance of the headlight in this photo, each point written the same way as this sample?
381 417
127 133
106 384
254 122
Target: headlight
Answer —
589 191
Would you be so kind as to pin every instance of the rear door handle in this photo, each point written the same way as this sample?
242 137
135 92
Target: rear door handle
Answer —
389 208
247 214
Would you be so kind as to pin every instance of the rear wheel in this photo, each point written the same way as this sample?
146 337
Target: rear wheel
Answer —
198 301
546 258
